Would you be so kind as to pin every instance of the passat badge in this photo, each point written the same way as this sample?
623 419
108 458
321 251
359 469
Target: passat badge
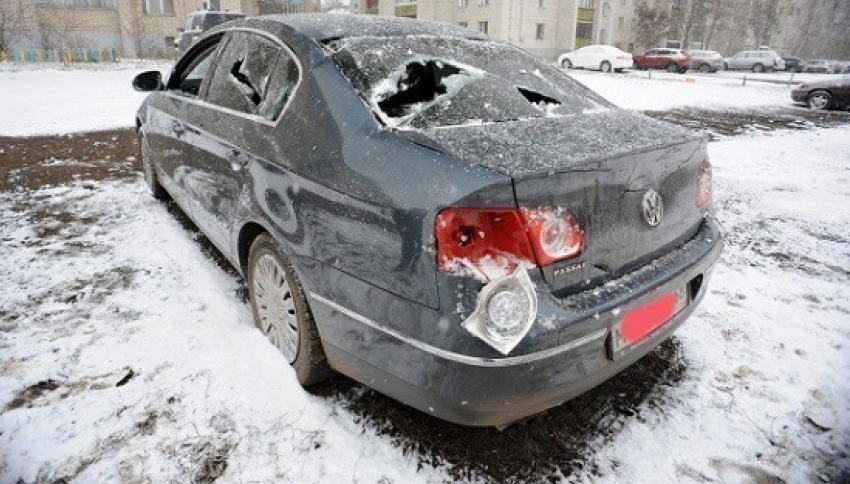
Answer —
652 207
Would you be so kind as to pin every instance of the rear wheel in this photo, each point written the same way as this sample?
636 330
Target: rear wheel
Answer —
819 100
605 66
672 67
149 170
281 311
758 68
705 68
566 64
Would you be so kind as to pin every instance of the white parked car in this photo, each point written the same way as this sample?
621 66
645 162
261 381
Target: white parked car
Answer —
600 57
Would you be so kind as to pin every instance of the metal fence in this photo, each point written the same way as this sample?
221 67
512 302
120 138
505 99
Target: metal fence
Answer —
67 56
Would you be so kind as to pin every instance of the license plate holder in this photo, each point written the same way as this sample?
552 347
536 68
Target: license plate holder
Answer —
639 323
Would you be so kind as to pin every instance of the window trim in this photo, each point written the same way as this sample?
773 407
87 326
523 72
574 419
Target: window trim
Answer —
202 92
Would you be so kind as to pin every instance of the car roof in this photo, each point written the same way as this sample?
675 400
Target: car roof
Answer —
322 27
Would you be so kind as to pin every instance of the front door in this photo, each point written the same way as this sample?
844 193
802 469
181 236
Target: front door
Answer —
249 85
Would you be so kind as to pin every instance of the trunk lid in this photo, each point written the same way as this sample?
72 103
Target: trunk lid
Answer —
599 166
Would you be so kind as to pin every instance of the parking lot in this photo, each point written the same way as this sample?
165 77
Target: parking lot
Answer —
129 351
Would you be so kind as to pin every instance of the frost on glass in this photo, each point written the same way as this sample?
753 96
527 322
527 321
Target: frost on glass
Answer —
453 81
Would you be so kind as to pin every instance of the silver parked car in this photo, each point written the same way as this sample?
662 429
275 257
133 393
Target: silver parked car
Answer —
823 66
756 61
705 60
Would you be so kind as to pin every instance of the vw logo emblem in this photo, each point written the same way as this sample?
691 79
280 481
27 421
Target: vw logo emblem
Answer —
652 206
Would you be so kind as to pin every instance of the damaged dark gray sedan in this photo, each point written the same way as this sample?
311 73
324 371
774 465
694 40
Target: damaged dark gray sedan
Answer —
432 212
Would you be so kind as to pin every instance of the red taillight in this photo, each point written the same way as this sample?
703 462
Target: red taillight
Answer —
704 184
554 234
531 236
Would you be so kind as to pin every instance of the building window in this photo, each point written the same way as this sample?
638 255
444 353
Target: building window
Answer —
603 36
541 3
483 27
540 31
585 3
464 24
621 23
462 3
584 30
159 7
483 2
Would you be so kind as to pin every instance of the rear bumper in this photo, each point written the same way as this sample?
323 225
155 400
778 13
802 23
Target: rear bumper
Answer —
568 355
799 95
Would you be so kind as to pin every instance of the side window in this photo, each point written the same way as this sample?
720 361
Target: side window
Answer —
188 78
241 77
282 82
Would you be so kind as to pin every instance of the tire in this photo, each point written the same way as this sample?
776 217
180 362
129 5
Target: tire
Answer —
282 313
148 169
758 67
672 67
705 68
605 67
819 99
566 64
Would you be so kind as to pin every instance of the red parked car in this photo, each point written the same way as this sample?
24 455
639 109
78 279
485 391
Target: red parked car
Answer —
672 60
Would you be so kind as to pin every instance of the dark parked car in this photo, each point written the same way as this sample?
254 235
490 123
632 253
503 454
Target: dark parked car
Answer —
437 214
197 23
794 64
831 93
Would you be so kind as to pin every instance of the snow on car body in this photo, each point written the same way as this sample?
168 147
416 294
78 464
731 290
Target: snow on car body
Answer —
432 212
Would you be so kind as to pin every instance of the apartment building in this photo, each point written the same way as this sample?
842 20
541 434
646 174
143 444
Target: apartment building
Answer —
614 21
546 28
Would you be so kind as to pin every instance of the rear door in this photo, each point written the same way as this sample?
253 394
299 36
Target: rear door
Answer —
252 80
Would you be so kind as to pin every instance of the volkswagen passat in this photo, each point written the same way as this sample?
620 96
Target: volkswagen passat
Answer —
432 212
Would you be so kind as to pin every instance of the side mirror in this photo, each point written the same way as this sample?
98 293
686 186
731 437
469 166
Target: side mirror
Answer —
148 81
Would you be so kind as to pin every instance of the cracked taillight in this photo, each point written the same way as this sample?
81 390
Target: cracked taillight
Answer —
538 236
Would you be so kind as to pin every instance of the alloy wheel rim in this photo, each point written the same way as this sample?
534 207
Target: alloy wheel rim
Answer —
818 101
275 306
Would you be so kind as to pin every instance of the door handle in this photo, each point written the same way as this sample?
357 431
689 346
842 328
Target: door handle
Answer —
237 159
177 128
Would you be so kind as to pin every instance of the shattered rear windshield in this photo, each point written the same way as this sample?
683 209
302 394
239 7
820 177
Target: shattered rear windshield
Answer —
425 82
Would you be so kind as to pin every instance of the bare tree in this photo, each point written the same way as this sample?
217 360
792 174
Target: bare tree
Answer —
718 18
651 24
134 27
764 15
13 16
690 18
61 27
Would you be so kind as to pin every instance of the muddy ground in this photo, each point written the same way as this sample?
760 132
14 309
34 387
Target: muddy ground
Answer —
553 444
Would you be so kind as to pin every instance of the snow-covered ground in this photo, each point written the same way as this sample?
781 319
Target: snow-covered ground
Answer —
141 363
658 90
53 100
